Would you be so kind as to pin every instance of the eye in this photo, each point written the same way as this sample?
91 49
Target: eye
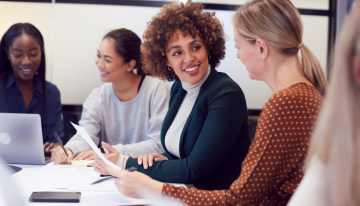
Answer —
34 54
177 53
196 47
107 61
98 55
17 55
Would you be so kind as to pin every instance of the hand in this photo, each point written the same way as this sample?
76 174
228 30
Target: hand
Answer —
88 155
58 155
147 160
132 183
48 147
113 156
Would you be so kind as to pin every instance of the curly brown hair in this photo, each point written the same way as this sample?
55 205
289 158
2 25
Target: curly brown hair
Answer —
189 19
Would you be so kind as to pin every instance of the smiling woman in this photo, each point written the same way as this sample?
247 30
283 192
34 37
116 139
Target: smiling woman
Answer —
22 72
205 133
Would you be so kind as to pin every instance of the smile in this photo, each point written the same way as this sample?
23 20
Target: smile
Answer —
191 69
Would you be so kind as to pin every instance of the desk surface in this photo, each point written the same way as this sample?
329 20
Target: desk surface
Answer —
45 178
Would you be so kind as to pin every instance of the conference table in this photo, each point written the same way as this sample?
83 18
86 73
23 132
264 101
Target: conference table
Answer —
52 177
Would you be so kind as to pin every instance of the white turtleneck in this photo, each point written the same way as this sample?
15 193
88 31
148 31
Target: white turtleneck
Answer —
172 138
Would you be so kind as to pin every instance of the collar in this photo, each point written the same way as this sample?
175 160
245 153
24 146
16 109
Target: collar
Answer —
38 85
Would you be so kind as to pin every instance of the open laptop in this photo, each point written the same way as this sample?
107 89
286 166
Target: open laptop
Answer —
21 139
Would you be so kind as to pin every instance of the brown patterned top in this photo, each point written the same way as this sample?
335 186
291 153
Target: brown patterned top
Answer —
273 167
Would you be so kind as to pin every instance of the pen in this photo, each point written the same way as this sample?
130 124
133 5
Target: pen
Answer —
59 141
130 169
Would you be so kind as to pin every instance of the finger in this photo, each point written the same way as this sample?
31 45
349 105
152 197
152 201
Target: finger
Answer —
151 157
108 147
140 159
89 158
49 147
80 156
54 146
114 171
46 144
145 161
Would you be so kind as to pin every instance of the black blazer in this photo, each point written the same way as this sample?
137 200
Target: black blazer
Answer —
215 138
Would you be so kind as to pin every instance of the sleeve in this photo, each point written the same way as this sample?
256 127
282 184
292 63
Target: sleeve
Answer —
57 125
226 104
313 189
159 104
273 165
91 121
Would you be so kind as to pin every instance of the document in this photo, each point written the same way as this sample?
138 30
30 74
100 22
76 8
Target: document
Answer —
91 143
76 163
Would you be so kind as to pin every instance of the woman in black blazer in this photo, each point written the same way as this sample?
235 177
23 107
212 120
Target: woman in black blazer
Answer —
205 133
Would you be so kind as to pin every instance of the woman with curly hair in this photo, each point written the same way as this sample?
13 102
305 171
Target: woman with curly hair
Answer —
205 133
268 37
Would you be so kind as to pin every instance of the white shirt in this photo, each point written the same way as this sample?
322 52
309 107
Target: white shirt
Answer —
172 137
314 189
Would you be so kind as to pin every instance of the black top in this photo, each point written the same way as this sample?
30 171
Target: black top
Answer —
214 140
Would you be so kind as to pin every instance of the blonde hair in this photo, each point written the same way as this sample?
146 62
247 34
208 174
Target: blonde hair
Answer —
336 140
278 23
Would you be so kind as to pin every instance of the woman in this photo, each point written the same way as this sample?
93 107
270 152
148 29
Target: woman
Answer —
128 110
273 167
23 88
332 176
205 133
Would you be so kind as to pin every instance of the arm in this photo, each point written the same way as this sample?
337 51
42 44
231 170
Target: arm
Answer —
56 126
226 104
158 107
91 121
274 164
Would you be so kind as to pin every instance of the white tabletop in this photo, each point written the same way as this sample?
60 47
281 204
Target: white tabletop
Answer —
46 178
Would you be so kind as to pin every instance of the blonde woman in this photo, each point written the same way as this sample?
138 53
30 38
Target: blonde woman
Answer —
333 173
268 34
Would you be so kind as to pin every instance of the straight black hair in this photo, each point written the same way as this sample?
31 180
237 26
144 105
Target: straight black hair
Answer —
7 40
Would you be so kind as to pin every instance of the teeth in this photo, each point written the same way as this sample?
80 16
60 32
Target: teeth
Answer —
191 69
25 70
104 72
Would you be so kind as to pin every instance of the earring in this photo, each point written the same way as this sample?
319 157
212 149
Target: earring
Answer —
36 73
209 56
169 68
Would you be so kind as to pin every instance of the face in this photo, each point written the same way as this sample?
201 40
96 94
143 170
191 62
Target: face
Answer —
249 55
25 57
111 65
188 58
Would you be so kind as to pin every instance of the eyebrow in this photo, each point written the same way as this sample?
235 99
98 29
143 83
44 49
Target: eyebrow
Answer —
177 46
19 50
104 55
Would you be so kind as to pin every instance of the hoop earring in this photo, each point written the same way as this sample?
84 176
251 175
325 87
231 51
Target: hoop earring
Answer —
169 68
36 73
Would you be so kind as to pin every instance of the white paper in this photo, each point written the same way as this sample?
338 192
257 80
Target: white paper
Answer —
76 163
85 185
91 143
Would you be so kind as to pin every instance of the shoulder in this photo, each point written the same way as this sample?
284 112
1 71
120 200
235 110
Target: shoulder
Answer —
153 83
222 84
52 90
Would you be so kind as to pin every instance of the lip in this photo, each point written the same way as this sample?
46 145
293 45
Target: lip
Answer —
103 73
26 71
192 72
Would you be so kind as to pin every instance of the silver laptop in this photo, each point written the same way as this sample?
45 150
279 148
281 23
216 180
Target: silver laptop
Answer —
21 139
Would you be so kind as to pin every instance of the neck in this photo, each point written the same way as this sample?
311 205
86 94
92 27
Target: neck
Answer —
285 72
23 83
127 86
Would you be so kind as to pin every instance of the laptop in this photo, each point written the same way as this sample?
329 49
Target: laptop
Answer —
21 140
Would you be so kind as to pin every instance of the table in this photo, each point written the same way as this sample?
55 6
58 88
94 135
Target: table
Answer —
45 178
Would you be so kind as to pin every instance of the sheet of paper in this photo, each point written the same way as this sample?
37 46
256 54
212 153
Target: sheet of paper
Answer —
85 185
91 143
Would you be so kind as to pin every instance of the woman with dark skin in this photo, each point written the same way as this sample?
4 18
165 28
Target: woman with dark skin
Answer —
23 84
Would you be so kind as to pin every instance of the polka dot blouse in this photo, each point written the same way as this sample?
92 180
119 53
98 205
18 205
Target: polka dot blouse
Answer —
274 165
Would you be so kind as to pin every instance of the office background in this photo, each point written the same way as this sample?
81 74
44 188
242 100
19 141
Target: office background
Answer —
73 30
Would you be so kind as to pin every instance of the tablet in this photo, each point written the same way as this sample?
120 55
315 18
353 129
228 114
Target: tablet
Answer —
55 197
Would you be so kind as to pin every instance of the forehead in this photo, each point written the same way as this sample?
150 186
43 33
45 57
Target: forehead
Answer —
178 38
107 45
24 41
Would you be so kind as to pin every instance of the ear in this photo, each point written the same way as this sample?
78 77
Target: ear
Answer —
263 48
168 64
356 69
131 65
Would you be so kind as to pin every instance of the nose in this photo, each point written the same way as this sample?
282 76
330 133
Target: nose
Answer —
100 63
26 60
237 54
188 58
